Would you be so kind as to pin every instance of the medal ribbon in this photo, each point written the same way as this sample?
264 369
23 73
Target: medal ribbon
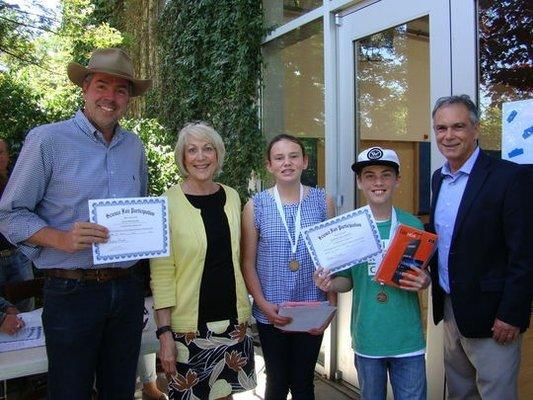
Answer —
297 220
382 296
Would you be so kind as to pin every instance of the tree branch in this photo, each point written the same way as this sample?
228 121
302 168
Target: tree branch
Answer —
26 61
28 25
18 10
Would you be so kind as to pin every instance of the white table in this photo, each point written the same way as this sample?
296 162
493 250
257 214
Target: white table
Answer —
24 362
14 364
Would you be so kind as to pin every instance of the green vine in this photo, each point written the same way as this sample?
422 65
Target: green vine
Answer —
162 170
210 55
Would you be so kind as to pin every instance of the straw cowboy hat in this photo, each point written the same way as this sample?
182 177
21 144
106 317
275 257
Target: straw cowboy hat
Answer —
109 61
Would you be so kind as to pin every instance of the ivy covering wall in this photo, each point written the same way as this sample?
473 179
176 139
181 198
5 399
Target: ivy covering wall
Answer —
210 63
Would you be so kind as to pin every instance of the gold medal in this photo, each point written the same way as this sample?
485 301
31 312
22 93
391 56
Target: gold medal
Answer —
382 296
294 265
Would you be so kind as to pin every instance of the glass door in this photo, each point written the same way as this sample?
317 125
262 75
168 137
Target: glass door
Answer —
392 104
393 61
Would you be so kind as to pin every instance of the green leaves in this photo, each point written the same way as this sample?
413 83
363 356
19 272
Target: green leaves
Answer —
18 29
34 53
19 112
210 62
162 171
210 54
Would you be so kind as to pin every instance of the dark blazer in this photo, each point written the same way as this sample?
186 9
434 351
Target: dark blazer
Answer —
491 254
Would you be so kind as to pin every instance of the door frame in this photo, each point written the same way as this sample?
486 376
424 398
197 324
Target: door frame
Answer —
445 68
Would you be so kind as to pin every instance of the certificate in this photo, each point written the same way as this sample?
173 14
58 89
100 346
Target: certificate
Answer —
305 315
138 228
343 241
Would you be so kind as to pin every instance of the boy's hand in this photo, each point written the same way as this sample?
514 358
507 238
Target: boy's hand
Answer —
322 279
415 280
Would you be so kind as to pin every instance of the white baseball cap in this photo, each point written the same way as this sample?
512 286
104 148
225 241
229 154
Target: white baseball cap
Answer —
376 156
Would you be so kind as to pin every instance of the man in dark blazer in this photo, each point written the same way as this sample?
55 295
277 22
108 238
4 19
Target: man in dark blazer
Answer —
482 271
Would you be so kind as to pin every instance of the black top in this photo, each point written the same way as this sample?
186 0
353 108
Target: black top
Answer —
218 299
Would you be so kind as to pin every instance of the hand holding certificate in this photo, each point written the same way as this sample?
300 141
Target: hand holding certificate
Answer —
138 228
343 241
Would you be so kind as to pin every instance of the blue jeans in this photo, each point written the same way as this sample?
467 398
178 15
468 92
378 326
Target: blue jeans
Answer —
407 377
92 330
17 268
290 360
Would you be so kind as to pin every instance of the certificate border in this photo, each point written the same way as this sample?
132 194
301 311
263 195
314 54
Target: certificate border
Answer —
142 254
336 220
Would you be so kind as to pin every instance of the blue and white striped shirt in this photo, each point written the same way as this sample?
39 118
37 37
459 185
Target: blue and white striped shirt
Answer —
61 166
278 282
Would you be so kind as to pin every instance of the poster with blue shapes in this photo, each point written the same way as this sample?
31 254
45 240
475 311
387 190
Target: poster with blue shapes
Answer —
517 131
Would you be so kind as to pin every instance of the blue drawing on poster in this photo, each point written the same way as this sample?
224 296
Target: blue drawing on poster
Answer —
527 132
515 152
517 131
511 116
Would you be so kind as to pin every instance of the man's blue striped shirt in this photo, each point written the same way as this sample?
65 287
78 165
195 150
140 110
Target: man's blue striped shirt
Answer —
61 166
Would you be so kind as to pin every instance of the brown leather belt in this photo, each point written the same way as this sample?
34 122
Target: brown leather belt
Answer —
99 275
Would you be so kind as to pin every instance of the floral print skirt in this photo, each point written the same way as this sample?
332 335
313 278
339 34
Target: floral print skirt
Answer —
214 362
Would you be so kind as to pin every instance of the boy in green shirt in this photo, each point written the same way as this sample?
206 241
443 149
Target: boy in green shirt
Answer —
386 327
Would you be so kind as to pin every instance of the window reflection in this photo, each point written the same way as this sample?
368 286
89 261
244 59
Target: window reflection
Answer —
279 12
392 104
505 62
392 83
293 93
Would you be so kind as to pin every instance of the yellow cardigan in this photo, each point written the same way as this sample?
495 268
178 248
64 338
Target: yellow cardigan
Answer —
176 279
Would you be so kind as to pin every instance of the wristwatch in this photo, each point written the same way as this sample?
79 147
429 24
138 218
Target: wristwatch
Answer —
162 329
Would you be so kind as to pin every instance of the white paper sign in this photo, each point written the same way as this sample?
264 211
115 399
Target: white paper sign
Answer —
517 131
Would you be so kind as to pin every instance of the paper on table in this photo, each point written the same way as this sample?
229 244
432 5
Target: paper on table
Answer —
305 315
31 335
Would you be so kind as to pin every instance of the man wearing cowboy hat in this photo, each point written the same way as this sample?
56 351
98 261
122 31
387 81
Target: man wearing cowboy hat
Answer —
92 315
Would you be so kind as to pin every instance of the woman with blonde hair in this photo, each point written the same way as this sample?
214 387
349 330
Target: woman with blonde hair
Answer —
200 298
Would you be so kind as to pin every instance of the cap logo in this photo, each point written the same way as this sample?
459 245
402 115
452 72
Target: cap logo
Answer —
374 154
